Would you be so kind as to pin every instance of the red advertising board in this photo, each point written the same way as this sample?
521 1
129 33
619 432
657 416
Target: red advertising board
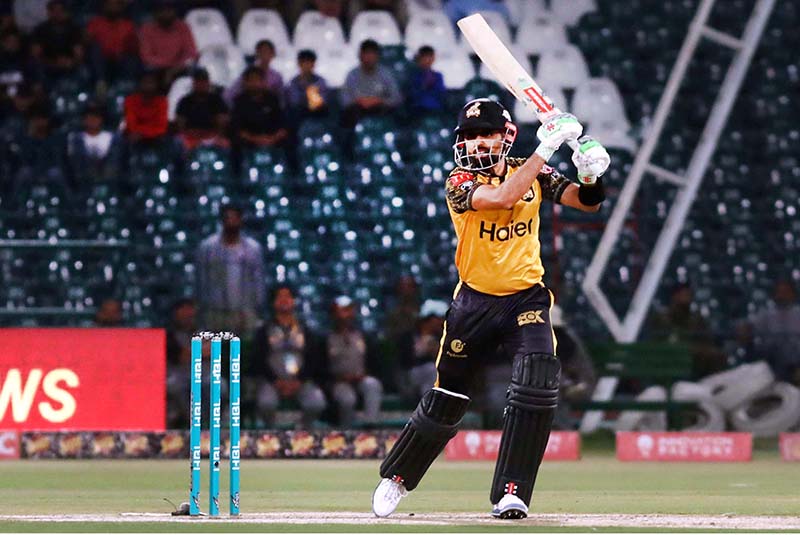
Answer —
790 446
680 446
484 445
82 379
9 445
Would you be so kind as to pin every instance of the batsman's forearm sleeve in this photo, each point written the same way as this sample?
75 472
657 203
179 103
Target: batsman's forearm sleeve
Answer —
592 195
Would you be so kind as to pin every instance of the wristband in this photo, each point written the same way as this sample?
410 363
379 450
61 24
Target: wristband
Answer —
592 195
544 152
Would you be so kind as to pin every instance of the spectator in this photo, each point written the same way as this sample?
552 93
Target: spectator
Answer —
457 9
109 313
272 81
202 114
426 92
420 362
57 42
370 88
285 362
15 112
38 156
89 149
166 44
578 376
680 324
307 94
348 352
775 333
230 278
114 46
401 319
146 112
14 68
257 119
181 328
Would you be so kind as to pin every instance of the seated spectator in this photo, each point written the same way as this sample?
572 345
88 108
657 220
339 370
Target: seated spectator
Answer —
146 112
114 46
420 363
285 362
182 326
774 333
109 313
14 112
348 351
14 67
38 156
166 44
272 81
89 149
457 9
257 119
680 324
370 88
57 43
202 115
307 94
426 91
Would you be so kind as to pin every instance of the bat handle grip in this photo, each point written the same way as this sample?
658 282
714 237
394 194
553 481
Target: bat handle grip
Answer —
573 143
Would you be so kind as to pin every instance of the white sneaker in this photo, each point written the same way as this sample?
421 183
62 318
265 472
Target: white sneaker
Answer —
510 507
387 496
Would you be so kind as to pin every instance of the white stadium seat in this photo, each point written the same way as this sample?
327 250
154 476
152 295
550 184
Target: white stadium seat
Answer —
258 24
334 64
285 63
598 100
224 63
562 67
209 28
180 87
519 10
613 134
537 34
317 32
377 25
455 66
431 28
571 11
524 115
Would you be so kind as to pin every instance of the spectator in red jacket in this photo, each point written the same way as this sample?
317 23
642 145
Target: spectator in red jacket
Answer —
166 43
146 111
114 47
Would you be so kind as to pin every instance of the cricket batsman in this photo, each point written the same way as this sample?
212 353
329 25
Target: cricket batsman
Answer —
500 299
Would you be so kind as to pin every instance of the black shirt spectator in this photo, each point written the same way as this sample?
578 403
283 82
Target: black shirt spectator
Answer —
202 113
58 39
257 116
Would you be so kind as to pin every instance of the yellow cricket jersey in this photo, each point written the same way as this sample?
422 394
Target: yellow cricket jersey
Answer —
498 251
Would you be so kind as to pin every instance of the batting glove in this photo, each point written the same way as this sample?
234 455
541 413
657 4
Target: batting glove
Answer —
555 131
591 159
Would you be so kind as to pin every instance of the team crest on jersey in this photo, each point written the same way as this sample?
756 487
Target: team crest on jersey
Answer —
474 110
461 179
529 195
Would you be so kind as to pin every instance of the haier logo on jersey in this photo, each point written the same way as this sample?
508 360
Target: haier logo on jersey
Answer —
492 232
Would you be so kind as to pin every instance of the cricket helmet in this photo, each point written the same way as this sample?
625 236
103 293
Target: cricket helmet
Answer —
483 116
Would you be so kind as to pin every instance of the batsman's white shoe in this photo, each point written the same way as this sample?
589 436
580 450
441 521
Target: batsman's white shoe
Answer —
387 496
510 508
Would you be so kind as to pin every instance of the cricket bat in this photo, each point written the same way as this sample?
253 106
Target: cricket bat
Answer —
506 69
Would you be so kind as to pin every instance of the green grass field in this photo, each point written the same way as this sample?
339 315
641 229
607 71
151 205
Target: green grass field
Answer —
454 496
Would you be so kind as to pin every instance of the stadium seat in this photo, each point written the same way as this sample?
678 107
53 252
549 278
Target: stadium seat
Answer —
258 24
285 63
569 13
540 34
428 27
224 63
180 87
209 27
519 10
613 135
377 25
318 32
334 64
562 67
598 100
455 66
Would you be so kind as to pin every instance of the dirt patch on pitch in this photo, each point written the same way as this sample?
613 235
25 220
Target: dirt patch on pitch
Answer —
721 522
